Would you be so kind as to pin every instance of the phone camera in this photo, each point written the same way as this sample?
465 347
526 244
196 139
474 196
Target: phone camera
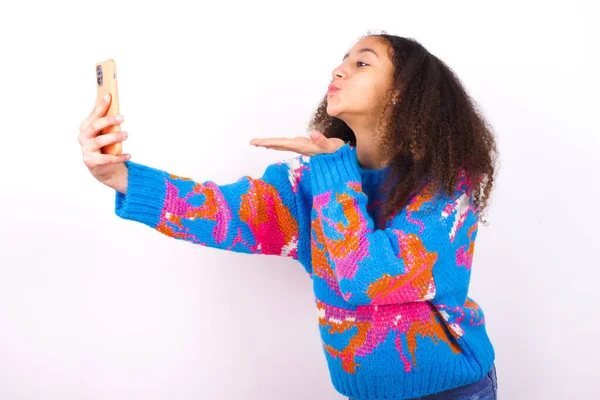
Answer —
99 75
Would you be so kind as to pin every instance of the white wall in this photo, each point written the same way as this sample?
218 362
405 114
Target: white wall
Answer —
95 307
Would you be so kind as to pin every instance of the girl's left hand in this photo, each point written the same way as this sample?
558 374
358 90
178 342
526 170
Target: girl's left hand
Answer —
316 144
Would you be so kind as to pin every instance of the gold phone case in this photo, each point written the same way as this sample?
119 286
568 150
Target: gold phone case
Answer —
106 82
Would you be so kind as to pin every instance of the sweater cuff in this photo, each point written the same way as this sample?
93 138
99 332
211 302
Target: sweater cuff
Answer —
334 169
146 192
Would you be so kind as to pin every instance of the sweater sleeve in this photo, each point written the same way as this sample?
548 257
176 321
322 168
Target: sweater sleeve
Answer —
256 216
382 266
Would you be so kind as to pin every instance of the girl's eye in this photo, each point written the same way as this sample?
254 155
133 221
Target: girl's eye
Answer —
360 62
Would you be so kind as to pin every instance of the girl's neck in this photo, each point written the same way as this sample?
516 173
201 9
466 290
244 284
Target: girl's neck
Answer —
369 156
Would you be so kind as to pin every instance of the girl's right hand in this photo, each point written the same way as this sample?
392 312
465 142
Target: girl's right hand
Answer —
106 168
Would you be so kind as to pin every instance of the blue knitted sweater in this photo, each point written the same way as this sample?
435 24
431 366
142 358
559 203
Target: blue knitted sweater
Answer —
390 295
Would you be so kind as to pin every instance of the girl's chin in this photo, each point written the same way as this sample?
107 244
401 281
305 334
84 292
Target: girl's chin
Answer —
333 110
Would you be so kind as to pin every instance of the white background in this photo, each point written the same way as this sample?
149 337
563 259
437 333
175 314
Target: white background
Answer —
96 307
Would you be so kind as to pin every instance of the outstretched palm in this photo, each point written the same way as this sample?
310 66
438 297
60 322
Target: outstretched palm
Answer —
317 143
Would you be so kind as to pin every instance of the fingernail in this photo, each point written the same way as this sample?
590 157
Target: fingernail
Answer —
119 118
106 96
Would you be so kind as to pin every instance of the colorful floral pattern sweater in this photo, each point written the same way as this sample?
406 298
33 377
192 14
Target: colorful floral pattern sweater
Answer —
391 296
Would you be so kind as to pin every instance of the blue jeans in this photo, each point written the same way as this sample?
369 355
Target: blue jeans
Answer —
484 389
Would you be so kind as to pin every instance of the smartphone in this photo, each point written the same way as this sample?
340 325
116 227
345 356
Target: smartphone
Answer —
106 82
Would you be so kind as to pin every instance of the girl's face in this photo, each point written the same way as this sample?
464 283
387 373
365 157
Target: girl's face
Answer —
363 79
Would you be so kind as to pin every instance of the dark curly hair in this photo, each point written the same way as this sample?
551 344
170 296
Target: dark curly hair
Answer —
435 132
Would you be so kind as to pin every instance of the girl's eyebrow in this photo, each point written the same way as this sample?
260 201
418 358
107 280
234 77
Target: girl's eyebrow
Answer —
365 50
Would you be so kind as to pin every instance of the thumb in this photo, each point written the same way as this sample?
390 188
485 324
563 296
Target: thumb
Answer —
318 138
